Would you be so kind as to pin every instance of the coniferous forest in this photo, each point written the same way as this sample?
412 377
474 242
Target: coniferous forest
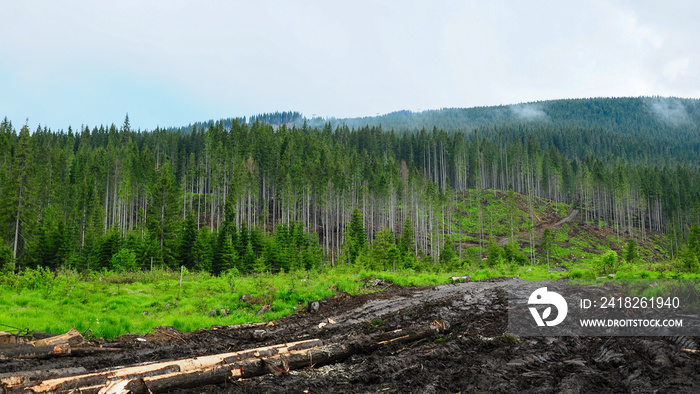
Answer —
279 192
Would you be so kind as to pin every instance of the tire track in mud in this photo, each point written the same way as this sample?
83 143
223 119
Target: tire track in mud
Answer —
473 357
463 297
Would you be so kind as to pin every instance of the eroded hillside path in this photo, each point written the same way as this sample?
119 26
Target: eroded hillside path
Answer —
539 229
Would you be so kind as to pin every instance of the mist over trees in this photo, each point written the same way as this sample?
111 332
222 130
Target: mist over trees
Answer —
255 196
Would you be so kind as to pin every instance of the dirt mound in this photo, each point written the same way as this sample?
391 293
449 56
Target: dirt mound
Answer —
466 352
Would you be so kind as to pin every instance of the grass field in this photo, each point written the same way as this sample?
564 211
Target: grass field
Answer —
107 305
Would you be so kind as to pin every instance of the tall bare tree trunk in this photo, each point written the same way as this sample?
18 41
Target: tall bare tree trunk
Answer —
19 209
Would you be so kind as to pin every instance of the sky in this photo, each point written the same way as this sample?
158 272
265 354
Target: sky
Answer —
172 63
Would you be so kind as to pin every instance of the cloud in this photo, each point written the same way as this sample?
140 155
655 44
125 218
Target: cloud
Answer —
677 68
671 111
529 112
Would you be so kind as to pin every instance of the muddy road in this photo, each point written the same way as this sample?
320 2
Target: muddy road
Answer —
466 351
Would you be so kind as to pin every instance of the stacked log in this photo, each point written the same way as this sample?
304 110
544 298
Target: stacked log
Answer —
213 369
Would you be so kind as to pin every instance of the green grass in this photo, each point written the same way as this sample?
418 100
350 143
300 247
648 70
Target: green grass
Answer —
109 309
496 212
562 234
103 308
106 309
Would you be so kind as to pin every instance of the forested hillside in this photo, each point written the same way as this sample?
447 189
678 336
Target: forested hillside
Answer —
254 196
653 130
627 115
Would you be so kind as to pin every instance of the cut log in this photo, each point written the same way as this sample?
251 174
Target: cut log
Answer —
186 365
277 364
6 337
72 337
42 335
24 350
215 369
26 376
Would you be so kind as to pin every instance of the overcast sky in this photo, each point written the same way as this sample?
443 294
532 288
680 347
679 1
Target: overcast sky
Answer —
170 63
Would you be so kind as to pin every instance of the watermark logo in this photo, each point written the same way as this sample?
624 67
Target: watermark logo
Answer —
543 297
639 307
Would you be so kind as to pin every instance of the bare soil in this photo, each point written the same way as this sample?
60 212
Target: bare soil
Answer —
471 353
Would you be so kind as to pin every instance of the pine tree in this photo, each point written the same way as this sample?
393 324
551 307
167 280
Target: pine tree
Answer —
243 239
203 250
406 244
188 238
17 190
137 245
631 251
512 254
357 236
224 256
494 253
694 239
6 260
248 260
447 253
346 249
686 260
109 246
229 223
383 250
64 247
163 216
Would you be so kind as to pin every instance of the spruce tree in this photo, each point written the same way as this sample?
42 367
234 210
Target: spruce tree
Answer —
248 260
406 241
188 238
694 239
6 260
358 235
383 250
203 250
163 216
447 253
225 256
18 191
631 251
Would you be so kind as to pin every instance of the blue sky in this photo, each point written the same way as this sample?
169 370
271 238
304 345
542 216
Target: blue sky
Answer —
170 63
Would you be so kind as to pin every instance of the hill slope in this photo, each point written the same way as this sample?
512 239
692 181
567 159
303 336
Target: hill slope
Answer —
628 115
651 130
506 218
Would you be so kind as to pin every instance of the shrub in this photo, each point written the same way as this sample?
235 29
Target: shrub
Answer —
581 274
509 339
686 260
513 255
40 279
6 259
124 260
608 262
630 253
494 253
